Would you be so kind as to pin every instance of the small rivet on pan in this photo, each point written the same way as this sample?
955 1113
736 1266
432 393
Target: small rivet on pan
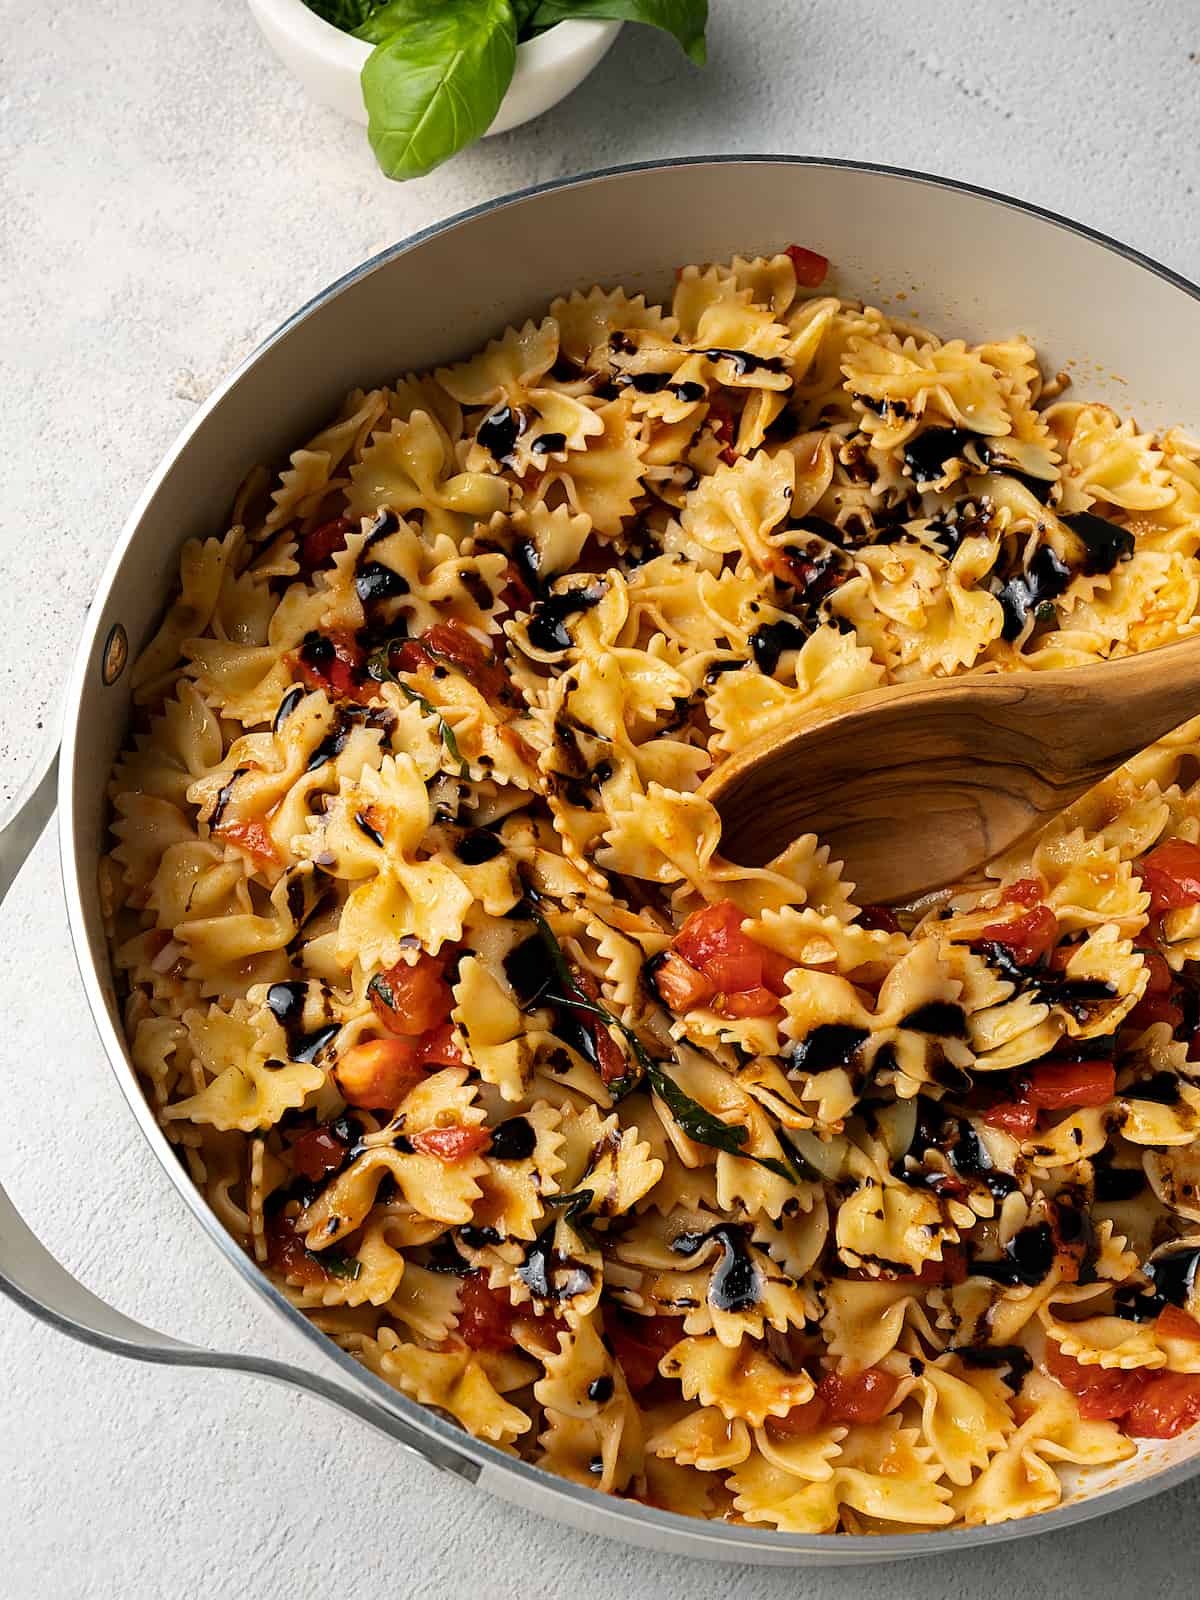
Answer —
116 655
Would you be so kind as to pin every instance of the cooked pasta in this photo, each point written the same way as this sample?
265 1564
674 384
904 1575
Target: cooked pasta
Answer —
695 1183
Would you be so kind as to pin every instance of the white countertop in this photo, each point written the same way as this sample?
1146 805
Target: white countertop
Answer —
168 197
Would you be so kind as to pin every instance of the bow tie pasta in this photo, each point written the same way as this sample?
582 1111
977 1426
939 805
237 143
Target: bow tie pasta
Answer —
692 1182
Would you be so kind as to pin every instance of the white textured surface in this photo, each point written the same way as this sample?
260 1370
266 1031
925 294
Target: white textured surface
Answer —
167 197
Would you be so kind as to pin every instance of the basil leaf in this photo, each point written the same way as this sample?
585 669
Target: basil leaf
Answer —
523 11
435 80
685 20
377 668
345 14
338 1265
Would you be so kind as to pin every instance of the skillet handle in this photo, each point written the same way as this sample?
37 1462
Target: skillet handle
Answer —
33 1279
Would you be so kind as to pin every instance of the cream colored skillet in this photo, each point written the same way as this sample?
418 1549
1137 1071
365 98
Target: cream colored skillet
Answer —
969 261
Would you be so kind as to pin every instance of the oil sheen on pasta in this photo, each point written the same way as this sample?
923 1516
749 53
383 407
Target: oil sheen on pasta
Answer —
696 1184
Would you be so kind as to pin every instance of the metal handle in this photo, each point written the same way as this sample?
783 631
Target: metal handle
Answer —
32 1278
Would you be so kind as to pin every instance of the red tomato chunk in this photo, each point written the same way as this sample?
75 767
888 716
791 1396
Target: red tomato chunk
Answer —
1148 1405
318 1153
639 1343
1062 1085
860 1397
411 999
810 267
451 1144
1171 874
746 978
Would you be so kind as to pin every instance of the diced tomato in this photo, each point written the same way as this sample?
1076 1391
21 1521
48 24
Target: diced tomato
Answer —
1028 937
810 267
610 1061
252 837
746 977
450 1144
318 1152
1155 1008
1024 892
800 1420
952 1268
1104 1393
1173 1323
378 1073
713 935
1017 1117
639 1344
485 1316
720 414
437 1048
861 1397
318 548
878 917
1061 1085
1149 1405
454 642
1161 978
411 999
1171 874
287 1252
333 663
679 984
756 1002
775 969
1169 1403
516 594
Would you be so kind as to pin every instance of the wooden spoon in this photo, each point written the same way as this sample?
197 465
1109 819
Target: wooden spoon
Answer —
917 785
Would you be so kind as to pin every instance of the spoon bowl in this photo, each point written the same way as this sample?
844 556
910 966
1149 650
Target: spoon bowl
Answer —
917 785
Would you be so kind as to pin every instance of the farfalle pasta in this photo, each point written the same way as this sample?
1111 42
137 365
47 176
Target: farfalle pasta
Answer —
695 1183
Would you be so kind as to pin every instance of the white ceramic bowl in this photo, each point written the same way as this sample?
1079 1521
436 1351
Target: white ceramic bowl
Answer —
329 63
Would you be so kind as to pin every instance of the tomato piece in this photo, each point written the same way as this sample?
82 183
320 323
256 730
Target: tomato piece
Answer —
1104 1393
880 918
1017 1117
813 1414
1028 937
252 837
378 1074
411 999
708 932
288 1254
318 547
1161 978
437 1047
610 1061
1060 1085
952 1268
450 1144
756 1002
810 267
333 663
861 1397
639 1344
485 1315
319 1152
1173 1323
1171 874
775 969
1155 1008
720 414
1168 1404
680 986
1024 892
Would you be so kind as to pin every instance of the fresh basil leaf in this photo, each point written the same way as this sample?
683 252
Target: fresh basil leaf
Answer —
435 80
338 1265
685 20
378 668
523 10
345 14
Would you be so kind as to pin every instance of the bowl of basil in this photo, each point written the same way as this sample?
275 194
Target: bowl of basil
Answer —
429 77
